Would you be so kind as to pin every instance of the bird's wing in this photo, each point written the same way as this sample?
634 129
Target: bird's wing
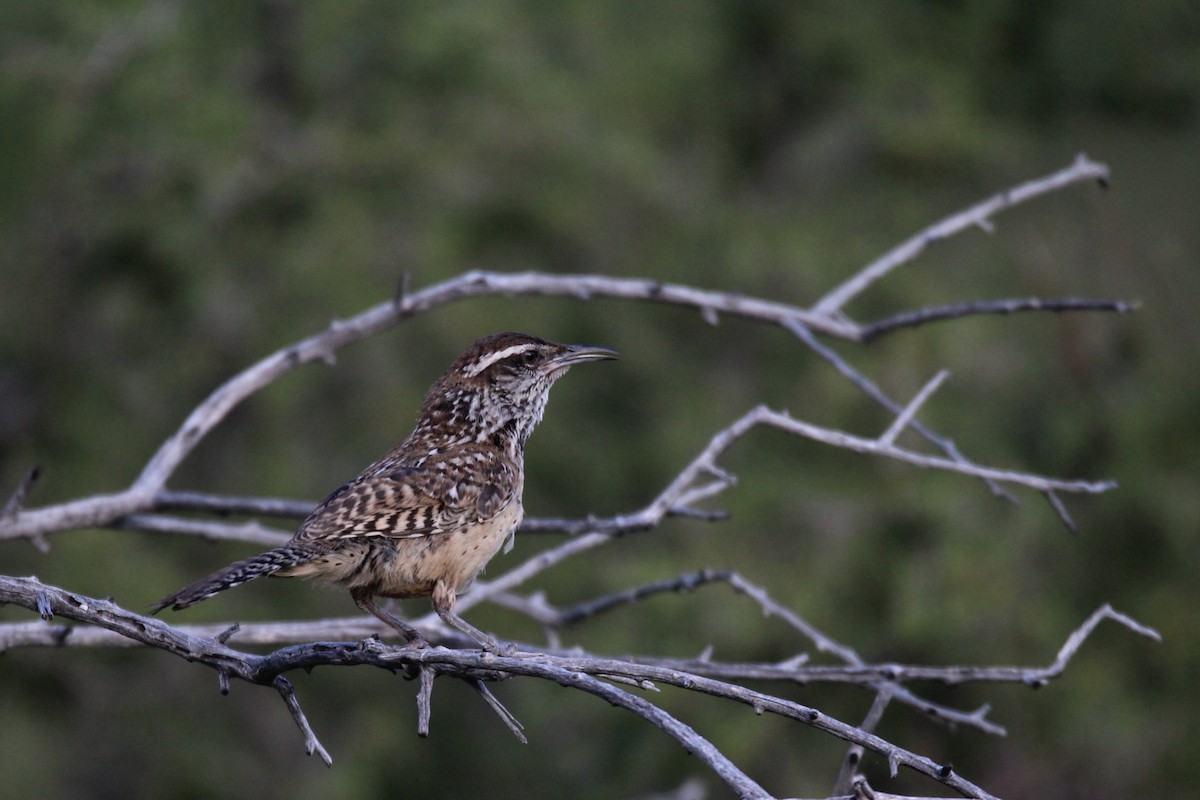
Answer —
399 500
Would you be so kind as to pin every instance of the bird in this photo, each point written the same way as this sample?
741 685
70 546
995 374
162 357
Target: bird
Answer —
427 517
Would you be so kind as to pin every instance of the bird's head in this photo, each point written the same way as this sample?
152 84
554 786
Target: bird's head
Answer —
500 384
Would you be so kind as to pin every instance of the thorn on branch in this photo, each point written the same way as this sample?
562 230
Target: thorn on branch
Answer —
224 635
1083 163
401 292
641 683
1061 510
795 662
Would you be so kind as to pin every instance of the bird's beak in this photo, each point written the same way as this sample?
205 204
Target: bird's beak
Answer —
578 353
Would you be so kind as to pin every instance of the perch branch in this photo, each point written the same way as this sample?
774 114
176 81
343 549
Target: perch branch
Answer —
568 669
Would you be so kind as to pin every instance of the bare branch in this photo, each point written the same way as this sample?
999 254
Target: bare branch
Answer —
977 216
870 389
311 743
776 419
575 670
845 778
683 583
14 503
168 500
13 506
1061 510
503 713
215 531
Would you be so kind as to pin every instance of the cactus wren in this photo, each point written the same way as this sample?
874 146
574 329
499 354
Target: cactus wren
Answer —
427 517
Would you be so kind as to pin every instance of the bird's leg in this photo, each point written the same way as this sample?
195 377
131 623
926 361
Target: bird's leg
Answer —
364 601
443 604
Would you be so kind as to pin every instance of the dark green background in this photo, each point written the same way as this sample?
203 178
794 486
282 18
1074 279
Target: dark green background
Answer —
185 187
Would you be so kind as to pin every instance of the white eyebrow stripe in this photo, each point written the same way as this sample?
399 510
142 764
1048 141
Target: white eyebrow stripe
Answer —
499 355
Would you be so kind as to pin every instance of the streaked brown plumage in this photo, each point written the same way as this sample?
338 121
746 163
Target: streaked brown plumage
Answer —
427 517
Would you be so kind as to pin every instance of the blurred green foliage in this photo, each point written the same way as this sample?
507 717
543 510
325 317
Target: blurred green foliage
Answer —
189 186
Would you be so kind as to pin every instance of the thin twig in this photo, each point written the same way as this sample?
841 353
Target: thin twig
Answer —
781 420
503 713
682 583
854 754
15 502
870 389
923 316
13 505
1061 510
311 743
251 532
168 500
906 416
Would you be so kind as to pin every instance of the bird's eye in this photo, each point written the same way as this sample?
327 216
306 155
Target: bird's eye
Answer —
530 357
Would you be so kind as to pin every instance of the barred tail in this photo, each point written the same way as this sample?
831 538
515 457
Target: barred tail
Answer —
235 574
